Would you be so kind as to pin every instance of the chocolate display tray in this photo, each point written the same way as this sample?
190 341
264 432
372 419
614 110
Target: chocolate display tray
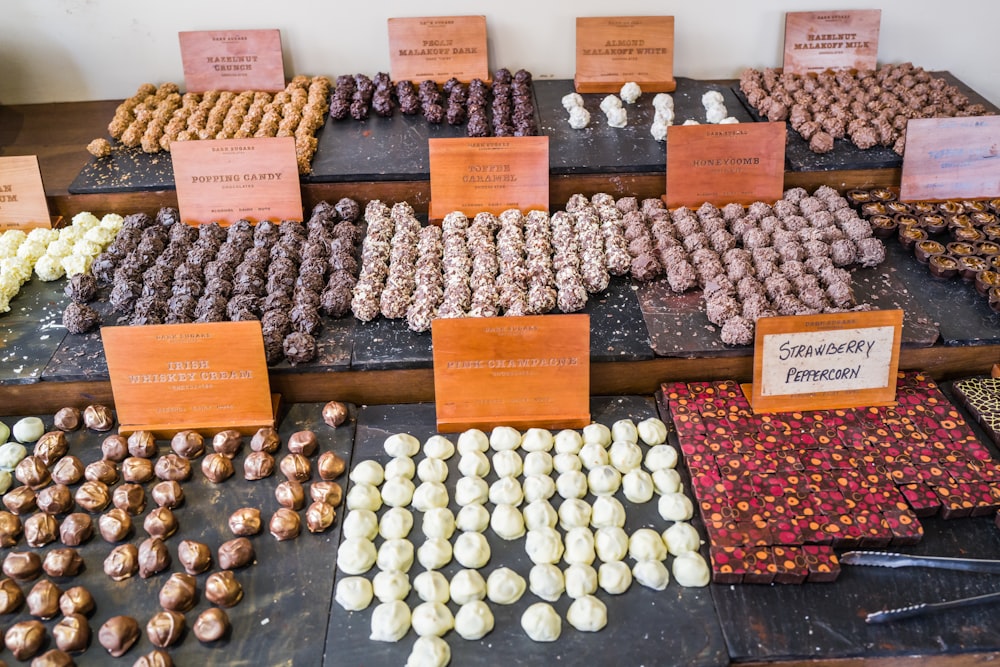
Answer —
32 331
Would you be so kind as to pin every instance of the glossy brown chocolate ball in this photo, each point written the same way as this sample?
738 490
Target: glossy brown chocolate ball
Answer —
319 517
72 633
32 472
98 418
189 444
122 562
115 448
265 440
67 470
62 562
43 599
130 498
330 466
137 470
285 524
76 600
165 628
102 470
25 639
179 592
55 499
115 525
118 634
160 522
22 565
92 496
303 442
76 529
153 557
227 443
258 465
142 444
245 521
11 596
236 553
168 494
335 413
211 625
194 557
326 492
51 447
290 495
21 500
217 468
172 467
157 658
40 529
296 467
68 419
10 529
53 658
222 589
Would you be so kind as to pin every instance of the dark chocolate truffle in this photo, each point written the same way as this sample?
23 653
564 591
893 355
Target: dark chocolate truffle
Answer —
195 557
172 467
54 499
79 318
303 442
76 600
102 470
10 529
165 628
51 447
81 288
299 348
72 633
137 470
236 553
118 634
189 444
76 529
25 639
178 593
115 448
157 658
40 529
160 522
265 440
217 467
43 599
142 444
67 470
222 589
285 524
211 625
227 442
92 496
130 498
258 465
334 413
11 597
20 500
245 521
122 562
62 562
153 557
32 472
22 565
98 417
168 494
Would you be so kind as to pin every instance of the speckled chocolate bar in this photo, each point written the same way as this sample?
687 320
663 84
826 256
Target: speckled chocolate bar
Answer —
982 397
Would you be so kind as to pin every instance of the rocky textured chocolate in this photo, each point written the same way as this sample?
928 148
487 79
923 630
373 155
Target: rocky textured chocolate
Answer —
303 442
296 467
92 496
265 440
32 472
102 470
172 467
137 470
118 635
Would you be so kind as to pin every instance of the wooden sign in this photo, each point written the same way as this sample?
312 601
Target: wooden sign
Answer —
489 174
233 60
170 377
817 362
22 195
837 39
951 158
613 50
438 48
224 180
515 371
722 164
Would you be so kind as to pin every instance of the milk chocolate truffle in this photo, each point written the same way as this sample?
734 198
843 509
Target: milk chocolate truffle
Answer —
11 597
25 639
303 442
319 517
10 529
168 494
76 529
32 472
76 600
236 553
160 522
296 467
55 499
189 444
137 470
330 466
51 447
22 565
165 628
178 593
290 494
43 599
153 557
72 633
92 496
67 470
102 470
67 419
130 498
142 444
217 468
98 418
222 589
285 524
122 562
211 624
115 448
195 557
334 413
258 465
326 492
157 658
40 529
265 440
53 657
172 467
245 521
62 562
227 442
20 500
118 634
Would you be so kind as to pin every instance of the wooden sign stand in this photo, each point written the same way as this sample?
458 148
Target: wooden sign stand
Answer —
233 60
839 39
22 195
951 158
613 50
438 48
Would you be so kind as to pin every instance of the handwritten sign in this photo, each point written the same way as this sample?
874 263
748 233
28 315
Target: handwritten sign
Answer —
207 376
438 48
517 371
612 50
811 362
722 164
490 174
837 39
951 158
22 195
233 60
225 180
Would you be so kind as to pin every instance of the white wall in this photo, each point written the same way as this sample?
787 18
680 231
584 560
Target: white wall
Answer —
65 50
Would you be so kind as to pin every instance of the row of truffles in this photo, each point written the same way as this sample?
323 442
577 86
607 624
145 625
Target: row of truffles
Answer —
867 107
162 271
505 109
111 493
52 253
155 117
574 550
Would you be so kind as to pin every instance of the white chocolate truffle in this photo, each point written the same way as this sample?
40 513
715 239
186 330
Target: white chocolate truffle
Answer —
610 102
389 585
368 472
716 113
675 507
617 118
691 570
474 464
471 491
730 120
611 543
624 430
646 544
473 440
681 538
630 92
660 457
607 511
638 486
546 581
690 121
390 621
356 556
538 487
395 555
467 586
568 441
364 497
579 546
540 514
604 480
593 455
11 453
472 519
651 574
571 484
431 619
587 614
666 481
506 491
439 447
505 437
396 523
581 579
541 622
432 586
565 462
507 522
354 593
401 444
429 651
614 577
428 495
434 553
625 456
658 130
471 550
537 463
474 620
537 440
400 466
505 586
597 433
28 429
507 463
397 492
438 522
360 524
570 100
712 97
574 513
543 545
579 118
652 431
432 470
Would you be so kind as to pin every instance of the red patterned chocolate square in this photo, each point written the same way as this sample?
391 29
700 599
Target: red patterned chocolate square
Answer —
875 531
821 563
905 526
954 503
723 534
729 564
844 530
790 565
760 566
784 531
812 528
755 533
923 500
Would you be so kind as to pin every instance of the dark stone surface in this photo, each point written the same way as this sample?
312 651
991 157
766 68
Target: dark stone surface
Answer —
32 331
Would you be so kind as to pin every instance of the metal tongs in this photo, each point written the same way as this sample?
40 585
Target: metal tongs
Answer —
894 560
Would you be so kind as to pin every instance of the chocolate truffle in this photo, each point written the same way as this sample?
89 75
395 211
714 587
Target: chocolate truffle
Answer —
115 448
217 467
10 529
130 498
92 496
195 557
76 600
67 419
32 472
189 444
165 628
227 443
211 625
142 444
319 517
122 562
25 639
303 442
153 557
296 468
285 524
334 413
236 553
79 318
258 465
11 597
265 440
20 500
290 494
160 522
62 562
76 529
98 418
40 529
245 521
118 634
72 633
179 592
330 466
43 599
51 447
67 470
22 565
222 589
55 499
326 492
137 470
299 348
157 658
53 657
102 470
172 467
168 494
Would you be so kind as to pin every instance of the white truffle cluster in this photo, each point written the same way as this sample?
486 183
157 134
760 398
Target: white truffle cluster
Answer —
663 115
614 111
715 109
630 92
579 117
